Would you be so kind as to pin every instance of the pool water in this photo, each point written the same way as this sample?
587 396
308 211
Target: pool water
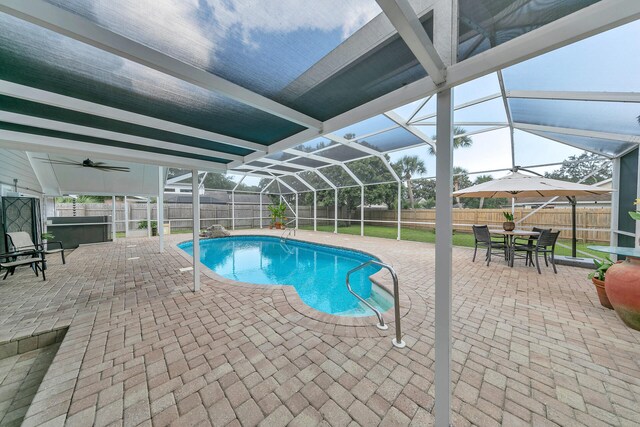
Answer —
317 272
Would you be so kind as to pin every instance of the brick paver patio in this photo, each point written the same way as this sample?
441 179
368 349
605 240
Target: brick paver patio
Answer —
142 349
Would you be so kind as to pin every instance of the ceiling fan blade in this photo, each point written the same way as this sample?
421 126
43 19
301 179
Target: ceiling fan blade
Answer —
112 168
60 162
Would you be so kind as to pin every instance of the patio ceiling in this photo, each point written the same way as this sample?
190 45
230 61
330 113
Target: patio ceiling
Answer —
217 87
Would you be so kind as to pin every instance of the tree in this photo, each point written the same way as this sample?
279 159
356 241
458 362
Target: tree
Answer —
576 168
459 142
411 165
460 180
480 203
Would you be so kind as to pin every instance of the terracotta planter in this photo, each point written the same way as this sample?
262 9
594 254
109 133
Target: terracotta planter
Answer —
623 289
279 226
602 294
509 226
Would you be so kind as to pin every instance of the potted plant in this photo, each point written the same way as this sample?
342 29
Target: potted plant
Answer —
277 215
508 225
46 236
142 225
636 214
597 277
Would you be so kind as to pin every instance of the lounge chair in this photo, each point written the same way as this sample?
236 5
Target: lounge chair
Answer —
20 241
483 239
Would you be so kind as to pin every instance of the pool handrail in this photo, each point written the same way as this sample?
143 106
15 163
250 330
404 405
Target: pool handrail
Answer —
397 341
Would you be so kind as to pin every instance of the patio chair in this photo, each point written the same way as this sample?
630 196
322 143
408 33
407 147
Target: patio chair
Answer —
483 239
530 242
545 245
21 241
11 261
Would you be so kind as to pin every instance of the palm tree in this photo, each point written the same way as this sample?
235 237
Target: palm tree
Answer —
459 142
411 165
460 180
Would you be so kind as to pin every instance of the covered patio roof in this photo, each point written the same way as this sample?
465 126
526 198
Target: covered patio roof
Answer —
233 89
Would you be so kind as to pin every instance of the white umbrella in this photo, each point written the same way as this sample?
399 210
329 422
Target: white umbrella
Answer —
518 185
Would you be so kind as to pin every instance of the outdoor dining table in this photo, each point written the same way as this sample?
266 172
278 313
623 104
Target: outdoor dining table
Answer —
510 237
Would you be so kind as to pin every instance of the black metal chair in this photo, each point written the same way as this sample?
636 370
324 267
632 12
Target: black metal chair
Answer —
546 244
483 239
13 260
528 241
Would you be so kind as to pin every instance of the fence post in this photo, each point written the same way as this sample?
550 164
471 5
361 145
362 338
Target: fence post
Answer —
260 194
233 210
335 212
113 218
315 211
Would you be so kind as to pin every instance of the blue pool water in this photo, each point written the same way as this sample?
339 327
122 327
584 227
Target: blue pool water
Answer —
317 272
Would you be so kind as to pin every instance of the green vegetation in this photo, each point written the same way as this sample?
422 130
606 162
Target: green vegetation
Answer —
429 236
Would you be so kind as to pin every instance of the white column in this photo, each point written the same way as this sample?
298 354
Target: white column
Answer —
335 212
148 218
260 194
444 226
160 209
637 231
233 210
399 208
113 218
615 202
126 217
297 211
196 230
362 210
315 211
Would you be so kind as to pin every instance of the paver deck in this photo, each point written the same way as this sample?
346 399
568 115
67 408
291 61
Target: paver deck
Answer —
142 349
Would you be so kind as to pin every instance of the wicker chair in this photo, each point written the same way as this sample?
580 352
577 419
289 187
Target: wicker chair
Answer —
546 244
528 241
483 239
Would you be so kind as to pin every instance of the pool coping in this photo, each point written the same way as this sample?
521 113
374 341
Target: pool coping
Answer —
296 310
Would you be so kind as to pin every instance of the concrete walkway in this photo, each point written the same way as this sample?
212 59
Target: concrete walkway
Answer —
142 349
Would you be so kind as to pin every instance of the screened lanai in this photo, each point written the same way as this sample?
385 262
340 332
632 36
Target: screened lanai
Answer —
303 99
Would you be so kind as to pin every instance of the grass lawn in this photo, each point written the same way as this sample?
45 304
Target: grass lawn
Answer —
429 236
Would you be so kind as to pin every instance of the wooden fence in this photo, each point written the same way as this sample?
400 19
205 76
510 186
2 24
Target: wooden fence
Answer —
593 223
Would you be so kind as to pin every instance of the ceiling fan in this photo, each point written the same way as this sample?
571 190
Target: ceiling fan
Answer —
87 163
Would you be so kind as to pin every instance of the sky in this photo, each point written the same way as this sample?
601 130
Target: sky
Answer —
606 62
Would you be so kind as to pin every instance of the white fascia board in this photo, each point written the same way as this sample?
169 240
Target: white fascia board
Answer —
575 95
56 100
38 143
76 27
578 132
115 136
408 25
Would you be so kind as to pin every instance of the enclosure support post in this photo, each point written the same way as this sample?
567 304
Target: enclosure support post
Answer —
196 230
444 227
113 218
615 202
362 210
297 211
160 208
574 239
260 195
399 208
315 211
126 217
148 217
233 210
335 212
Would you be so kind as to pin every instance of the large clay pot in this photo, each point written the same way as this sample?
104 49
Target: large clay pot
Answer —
623 289
602 294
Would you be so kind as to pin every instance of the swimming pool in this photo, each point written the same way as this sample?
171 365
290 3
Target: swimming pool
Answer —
317 272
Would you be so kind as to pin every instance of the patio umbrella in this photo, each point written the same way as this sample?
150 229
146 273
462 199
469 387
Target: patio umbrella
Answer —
518 185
